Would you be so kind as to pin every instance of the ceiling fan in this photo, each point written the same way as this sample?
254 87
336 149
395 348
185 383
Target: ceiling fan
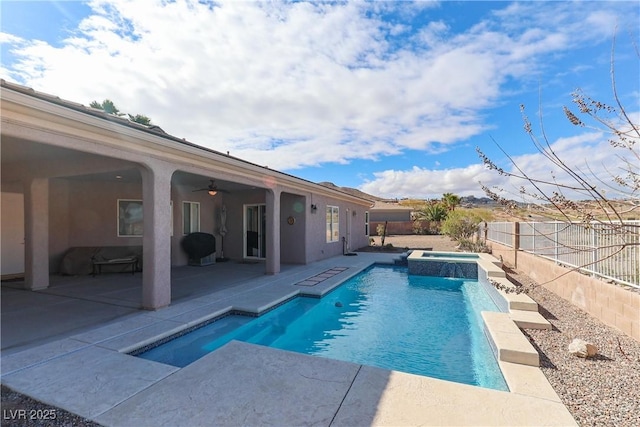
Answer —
212 189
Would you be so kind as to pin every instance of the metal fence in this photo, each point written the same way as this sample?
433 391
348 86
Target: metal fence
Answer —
500 232
610 251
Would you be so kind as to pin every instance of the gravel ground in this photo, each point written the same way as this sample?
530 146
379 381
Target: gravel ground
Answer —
601 391
19 410
436 243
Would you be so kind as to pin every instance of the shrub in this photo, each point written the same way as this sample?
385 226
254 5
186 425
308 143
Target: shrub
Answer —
461 225
469 245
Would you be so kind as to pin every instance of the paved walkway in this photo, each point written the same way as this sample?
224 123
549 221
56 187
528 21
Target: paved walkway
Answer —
90 374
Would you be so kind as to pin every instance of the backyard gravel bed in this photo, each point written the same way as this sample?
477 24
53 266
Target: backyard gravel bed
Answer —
599 391
19 410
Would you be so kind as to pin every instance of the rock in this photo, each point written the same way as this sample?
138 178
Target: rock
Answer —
581 348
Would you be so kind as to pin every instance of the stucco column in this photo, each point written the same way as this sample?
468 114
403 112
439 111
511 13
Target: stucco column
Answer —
36 230
156 202
272 200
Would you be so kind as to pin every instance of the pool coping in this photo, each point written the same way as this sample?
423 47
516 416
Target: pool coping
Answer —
108 345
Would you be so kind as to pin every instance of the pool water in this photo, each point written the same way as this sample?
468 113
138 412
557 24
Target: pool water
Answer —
383 317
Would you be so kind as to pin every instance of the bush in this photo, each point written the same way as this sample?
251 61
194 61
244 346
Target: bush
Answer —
461 225
468 245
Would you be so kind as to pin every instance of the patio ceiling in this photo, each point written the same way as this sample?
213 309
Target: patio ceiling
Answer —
17 153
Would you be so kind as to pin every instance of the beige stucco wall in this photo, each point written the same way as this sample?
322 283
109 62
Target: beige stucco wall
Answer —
292 236
607 302
84 213
317 246
403 227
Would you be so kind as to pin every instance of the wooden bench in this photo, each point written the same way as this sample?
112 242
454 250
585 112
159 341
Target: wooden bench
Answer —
131 261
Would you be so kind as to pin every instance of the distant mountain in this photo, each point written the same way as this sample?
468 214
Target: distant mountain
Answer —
465 201
477 201
352 191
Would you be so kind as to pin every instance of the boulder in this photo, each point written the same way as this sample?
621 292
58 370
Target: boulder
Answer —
581 348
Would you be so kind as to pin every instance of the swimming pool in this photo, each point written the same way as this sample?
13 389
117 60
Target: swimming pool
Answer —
382 317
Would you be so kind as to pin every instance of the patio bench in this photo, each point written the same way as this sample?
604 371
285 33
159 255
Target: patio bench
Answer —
79 260
97 265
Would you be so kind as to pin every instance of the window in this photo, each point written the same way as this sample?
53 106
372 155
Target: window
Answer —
129 218
333 224
190 217
366 223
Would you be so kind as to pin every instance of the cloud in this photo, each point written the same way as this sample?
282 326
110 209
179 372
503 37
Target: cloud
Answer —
430 183
589 154
298 84
571 163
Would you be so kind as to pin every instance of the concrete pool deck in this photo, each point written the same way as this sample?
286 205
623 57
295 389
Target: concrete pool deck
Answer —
88 373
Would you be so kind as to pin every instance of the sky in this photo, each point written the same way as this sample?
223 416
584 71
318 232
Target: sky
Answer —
391 98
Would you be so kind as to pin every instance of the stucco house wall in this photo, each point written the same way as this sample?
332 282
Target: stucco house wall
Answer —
58 222
292 236
235 202
317 246
84 213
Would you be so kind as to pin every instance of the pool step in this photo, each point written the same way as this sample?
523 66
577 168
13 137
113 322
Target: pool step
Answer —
521 302
491 269
508 342
515 301
529 319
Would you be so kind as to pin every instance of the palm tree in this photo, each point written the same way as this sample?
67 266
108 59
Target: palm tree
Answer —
450 200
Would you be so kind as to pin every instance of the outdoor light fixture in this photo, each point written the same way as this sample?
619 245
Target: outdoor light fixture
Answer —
314 208
211 189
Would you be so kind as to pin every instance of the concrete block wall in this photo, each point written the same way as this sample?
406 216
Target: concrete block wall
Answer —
401 227
611 304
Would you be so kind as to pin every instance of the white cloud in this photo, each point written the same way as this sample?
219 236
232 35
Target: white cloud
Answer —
589 155
428 183
297 84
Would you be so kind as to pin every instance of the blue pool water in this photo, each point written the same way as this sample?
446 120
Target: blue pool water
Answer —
382 317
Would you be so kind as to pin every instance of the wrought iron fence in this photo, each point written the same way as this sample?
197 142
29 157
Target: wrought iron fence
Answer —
607 250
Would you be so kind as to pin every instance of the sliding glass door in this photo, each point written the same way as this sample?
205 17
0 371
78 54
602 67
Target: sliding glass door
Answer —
255 225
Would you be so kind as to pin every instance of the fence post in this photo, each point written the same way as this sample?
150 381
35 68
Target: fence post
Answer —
556 239
516 243
594 256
